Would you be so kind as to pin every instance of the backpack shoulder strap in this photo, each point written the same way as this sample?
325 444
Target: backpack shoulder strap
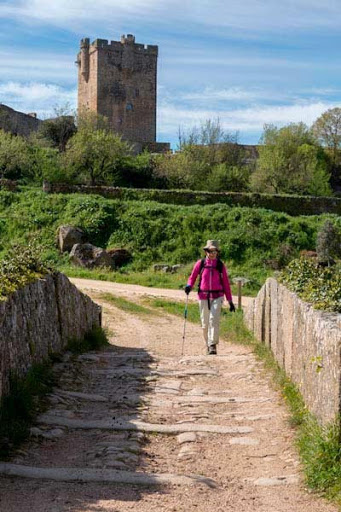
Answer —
201 269
220 270
202 265
219 266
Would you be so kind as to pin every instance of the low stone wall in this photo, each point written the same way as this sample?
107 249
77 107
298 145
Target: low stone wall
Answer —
293 205
39 320
305 342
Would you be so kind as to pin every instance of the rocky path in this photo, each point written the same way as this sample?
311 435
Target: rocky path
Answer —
141 427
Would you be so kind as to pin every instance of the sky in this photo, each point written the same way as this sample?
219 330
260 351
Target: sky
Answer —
246 62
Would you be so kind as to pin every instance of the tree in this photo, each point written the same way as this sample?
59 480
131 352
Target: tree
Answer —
94 155
290 161
328 244
209 142
179 170
59 129
327 129
211 159
15 158
225 177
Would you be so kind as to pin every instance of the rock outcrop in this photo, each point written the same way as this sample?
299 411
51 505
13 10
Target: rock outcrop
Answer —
119 257
89 256
68 236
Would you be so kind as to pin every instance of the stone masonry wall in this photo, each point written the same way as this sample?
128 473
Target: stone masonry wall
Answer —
39 320
305 342
293 205
16 122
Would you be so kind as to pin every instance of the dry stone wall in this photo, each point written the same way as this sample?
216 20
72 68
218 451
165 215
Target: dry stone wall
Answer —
39 320
293 205
305 342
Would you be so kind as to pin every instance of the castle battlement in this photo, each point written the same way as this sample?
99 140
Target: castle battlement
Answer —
125 41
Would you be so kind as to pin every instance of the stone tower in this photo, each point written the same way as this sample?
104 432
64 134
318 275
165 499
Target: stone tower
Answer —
117 79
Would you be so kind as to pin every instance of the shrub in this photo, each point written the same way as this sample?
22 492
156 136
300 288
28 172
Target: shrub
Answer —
319 285
21 266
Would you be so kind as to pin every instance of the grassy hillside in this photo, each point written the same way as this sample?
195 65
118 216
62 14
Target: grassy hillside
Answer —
253 240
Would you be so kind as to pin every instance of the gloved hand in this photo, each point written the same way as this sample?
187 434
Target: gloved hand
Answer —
232 306
188 288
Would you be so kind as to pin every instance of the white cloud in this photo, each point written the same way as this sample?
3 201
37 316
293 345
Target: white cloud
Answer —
252 15
38 97
245 120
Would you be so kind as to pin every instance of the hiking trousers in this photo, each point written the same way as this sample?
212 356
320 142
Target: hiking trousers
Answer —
210 319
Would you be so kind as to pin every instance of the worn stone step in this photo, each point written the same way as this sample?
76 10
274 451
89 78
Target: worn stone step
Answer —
211 399
81 396
140 426
141 372
104 475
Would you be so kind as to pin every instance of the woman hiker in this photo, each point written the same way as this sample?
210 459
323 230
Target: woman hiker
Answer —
213 285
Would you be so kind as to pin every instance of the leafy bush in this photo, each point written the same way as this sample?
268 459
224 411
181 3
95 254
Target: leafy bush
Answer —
319 285
21 266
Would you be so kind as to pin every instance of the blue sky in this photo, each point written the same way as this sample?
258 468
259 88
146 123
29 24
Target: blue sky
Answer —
247 62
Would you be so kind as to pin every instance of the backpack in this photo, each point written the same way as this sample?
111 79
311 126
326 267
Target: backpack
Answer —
219 267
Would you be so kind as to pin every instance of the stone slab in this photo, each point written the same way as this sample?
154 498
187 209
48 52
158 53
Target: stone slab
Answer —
275 480
104 475
140 372
216 399
82 396
140 426
186 437
246 441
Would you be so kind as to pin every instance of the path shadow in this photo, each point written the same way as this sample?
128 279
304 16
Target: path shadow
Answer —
124 375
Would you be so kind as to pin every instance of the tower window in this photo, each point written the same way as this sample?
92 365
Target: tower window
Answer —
129 106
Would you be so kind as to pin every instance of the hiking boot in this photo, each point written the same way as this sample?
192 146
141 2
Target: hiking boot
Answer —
212 350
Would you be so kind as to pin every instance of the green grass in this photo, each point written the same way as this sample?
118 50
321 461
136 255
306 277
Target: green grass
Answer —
320 451
96 339
23 403
126 305
253 240
232 327
150 278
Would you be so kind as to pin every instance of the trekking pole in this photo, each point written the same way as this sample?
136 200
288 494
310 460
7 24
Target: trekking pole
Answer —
185 315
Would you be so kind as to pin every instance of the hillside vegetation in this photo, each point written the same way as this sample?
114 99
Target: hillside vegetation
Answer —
254 241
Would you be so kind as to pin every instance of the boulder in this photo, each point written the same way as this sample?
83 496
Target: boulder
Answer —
162 268
166 268
89 256
68 236
119 257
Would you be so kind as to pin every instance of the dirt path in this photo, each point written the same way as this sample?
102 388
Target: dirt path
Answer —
143 428
134 291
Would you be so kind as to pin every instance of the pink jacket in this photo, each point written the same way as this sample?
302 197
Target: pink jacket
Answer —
211 281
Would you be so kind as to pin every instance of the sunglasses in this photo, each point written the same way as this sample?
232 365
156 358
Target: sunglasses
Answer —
211 250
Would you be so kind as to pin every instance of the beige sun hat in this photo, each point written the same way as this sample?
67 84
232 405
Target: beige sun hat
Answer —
212 244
